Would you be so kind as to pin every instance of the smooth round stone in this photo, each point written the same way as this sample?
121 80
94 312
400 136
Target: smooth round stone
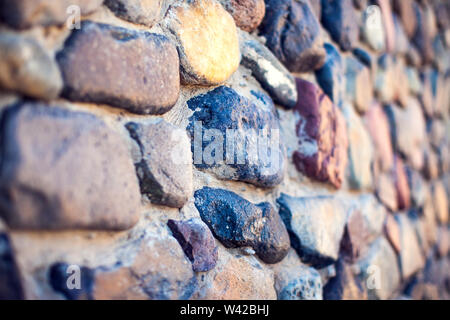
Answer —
207 41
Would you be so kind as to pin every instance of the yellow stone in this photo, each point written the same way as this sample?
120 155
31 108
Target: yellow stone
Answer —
207 41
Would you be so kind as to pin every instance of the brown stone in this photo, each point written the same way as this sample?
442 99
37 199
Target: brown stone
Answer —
197 241
355 238
207 41
443 241
65 170
392 232
132 70
405 10
389 26
293 34
237 278
411 256
323 142
386 191
401 184
159 271
345 285
163 162
440 202
378 127
247 14
26 68
147 12
22 14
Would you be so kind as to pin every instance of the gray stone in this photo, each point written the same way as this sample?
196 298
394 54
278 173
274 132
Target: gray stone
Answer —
237 222
315 226
379 270
345 285
339 18
132 70
164 165
358 82
65 170
411 258
197 241
293 34
25 67
237 138
409 142
266 68
295 281
360 151
10 278
146 12
23 14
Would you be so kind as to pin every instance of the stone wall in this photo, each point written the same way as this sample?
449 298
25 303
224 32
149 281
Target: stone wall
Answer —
233 149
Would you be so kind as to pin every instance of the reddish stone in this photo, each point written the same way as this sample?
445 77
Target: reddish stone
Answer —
405 10
443 242
323 142
355 237
389 26
392 232
247 14
378 126
401 184
197 241
386 191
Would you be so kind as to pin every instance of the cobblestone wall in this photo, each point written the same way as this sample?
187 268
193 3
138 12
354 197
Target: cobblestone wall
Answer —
233 149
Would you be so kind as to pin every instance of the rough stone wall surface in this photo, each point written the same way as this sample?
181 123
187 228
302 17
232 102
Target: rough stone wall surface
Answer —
234 149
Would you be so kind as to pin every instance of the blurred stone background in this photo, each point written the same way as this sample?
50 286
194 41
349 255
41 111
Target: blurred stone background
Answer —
103 194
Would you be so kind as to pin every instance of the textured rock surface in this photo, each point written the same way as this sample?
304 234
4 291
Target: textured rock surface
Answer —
266 68
237 222
315 226
197 242
345 285
166 177
10 284
97 180
239 277
160 271
146 12
247 14
295 281
25 67
378 127
364 224
322 153
293 34
240 137
65 170
207 41
27 13
358 81
331 76
360 151
339 18
401 184
126 74
408 142
392 231
411 259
